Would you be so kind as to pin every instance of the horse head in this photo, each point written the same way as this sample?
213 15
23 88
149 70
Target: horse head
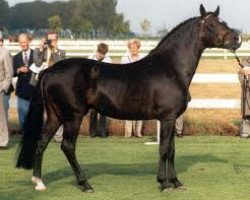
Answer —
216 33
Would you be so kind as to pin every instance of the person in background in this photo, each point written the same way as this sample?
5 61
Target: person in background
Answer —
244 78
179 125
133 56
6 75
9 91
21 64
99 127
45 56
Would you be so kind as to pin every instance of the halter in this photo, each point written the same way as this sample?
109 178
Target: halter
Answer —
219 37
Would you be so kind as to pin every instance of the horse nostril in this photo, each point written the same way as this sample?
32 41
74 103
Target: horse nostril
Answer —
236 38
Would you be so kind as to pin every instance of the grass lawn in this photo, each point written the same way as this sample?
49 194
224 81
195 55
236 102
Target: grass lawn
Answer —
212 167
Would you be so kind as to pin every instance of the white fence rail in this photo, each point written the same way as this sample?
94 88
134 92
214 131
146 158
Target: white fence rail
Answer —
118 48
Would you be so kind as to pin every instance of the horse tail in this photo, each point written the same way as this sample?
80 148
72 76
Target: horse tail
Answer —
32 128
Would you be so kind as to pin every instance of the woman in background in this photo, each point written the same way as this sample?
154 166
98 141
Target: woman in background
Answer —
133 56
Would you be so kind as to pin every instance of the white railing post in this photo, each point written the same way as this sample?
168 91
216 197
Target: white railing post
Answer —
225 54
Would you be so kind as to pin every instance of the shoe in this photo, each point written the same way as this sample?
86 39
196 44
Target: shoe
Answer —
58 140
179 134
244 135
3 148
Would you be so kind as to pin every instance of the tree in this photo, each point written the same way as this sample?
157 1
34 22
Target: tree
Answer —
55 23
163 31
101 14
121 27
82 17
4 13
145 26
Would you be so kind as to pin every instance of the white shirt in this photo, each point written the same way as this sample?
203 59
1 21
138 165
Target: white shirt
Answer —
106 59
128 59
27 53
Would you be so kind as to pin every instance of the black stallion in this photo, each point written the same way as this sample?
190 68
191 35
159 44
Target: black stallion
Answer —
155 87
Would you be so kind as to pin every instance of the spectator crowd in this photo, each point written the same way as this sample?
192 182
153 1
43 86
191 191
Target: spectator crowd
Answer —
27 64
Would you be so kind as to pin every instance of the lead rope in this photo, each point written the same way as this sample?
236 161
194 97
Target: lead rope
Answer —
237 58
245 86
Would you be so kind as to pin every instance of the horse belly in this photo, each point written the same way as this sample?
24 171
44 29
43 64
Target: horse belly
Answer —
124 106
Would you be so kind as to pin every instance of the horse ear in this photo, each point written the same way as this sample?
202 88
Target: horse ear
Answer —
217 11
202 10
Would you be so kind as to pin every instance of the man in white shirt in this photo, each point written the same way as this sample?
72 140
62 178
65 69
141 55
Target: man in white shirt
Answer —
21 64
98 127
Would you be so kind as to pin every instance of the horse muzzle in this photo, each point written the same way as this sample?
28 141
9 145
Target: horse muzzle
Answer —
232 41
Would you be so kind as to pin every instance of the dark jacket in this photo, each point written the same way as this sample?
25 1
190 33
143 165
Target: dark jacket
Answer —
23 88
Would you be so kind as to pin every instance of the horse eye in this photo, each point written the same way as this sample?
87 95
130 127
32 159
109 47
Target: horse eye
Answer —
224 23
212 24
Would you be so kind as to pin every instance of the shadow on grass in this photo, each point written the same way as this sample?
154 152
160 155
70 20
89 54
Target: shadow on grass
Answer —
14 141
136 169
98 169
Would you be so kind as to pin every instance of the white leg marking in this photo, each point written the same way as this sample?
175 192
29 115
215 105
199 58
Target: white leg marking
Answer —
39 183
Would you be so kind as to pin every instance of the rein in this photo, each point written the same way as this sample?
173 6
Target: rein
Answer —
237 58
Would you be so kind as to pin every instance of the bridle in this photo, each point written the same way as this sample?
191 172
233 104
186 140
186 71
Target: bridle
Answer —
220 38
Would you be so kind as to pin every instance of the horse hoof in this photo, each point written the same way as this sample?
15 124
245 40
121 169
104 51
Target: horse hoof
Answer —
88 190
182 188
40 186
168 189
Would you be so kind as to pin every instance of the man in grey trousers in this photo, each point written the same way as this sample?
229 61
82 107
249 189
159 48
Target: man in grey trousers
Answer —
6 74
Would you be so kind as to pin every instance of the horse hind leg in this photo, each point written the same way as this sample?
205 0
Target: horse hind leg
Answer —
71 129
48 132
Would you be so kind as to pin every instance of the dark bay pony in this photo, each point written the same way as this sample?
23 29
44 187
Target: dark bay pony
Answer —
155 87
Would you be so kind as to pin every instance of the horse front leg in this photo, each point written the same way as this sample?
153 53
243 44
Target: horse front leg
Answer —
166 136
171 167
71 129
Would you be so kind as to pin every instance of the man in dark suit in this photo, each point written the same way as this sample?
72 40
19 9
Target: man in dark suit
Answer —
21 63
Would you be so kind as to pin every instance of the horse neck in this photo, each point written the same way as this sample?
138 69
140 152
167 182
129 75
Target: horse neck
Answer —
184 47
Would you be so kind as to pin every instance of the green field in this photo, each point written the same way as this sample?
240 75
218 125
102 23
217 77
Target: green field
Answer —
211 167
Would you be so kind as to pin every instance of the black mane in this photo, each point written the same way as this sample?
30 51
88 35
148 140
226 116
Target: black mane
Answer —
176 30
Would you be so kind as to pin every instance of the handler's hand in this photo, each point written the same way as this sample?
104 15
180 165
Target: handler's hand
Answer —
22 70
41 44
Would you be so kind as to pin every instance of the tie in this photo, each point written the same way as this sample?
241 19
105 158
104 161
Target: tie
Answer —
26 59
